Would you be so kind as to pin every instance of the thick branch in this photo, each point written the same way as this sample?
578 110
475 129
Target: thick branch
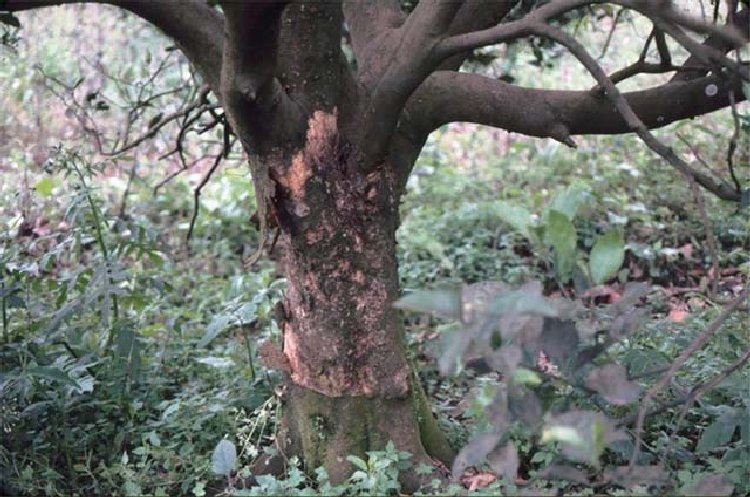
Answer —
370 22
409 60
257 106
741 21
448 96
475 15
623 107
195 27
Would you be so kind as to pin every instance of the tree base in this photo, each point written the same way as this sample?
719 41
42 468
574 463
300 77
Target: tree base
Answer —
322 431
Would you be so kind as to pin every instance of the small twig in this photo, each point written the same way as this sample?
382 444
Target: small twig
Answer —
694 346
698 392
665 57
719 188
612 29
708 229
199 188
126 193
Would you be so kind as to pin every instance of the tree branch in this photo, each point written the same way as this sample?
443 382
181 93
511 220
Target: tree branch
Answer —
475 15
741 21
719 188
410 58
448 97
371 22
694 346
248 84
194 26
661 13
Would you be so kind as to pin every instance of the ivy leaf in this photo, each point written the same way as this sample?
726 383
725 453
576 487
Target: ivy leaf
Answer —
607 256
224 458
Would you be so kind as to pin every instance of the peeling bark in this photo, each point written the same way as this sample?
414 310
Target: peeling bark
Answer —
351 386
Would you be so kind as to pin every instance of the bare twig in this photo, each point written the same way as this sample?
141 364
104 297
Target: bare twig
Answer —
718 187
199 189
698 392
694 346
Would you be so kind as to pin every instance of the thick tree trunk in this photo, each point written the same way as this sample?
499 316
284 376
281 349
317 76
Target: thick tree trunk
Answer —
351 388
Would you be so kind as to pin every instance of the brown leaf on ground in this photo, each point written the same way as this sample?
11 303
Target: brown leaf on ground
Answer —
473 479
678 312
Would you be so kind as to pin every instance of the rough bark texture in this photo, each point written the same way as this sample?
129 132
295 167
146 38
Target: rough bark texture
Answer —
351 386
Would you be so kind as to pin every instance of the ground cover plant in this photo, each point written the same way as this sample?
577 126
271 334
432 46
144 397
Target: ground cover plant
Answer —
568 319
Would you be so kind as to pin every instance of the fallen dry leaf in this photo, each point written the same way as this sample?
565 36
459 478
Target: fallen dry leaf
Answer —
678 313
473 479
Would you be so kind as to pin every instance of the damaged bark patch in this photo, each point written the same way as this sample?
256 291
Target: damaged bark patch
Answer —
344 338
320 145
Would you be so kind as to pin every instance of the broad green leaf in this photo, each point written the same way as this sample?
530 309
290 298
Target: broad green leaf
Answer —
217 325
583 435
712 484
568 201
52 373
224 458
516 216
443 303
358 462
715 435
44 186
607 256
561 234
132 489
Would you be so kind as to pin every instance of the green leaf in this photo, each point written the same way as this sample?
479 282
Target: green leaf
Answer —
561 234
217 325
44 186
52 373
522 301
132 488
522 376
443 303
516 216
568 201
607 256
358 462
715 435
224 458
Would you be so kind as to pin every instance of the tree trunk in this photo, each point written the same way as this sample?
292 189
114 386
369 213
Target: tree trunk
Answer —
351 387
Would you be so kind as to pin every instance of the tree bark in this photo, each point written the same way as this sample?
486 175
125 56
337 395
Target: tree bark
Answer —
351 388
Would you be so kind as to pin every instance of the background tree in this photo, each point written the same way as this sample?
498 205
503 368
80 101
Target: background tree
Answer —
331 141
